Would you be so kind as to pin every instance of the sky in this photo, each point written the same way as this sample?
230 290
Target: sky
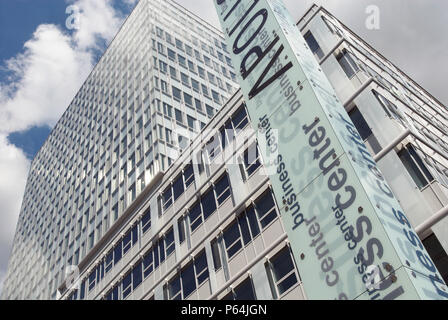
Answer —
45 56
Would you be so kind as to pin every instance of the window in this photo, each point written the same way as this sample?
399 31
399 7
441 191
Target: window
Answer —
173 73
216 254
126 285
191 66
179 45
239 119
171 54
438 255
168 38
185 79
364 129
314 46
164 87
113 294
127 242
160 48
210 111
207 61
204 90
222 189
201 268
197 55
188 175
246 228
195 85
92 280
208 203
182 60
82 290
181 229
244 291
265 207
118 252
163 66
109 261
195 216
211 77
174 289
188 99
190 122
189 278
148 264
137 275
232 239
388 107
282 273
216 97
360 123
252 221
179 116
415 166
146 221
167 198
178 186
201 72
167 110
213 147
347 63
198 105
251 160
169 242
177 93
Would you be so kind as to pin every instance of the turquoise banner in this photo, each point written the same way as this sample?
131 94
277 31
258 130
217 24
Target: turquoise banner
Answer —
348 233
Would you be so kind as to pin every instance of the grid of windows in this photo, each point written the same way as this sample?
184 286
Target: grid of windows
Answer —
249 223
193 275
144 267
177 187
210 200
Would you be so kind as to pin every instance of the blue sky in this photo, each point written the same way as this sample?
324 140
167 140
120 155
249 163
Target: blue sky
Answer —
18 20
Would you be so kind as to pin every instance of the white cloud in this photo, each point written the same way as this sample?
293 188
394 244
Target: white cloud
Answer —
49 62
43 80
98 20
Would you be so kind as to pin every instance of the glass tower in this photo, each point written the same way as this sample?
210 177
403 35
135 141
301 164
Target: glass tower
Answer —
159 82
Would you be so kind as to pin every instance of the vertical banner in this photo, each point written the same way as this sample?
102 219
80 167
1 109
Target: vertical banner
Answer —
348 233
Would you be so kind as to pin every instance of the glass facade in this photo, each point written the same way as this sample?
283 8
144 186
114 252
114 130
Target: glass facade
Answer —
122 127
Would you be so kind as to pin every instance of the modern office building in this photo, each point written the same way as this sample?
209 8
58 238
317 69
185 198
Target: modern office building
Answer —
207 226
161 79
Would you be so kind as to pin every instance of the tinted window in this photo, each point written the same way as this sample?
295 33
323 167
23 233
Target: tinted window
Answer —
266 209
178 187
208 203
188 280
232 240
137 275
195 216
